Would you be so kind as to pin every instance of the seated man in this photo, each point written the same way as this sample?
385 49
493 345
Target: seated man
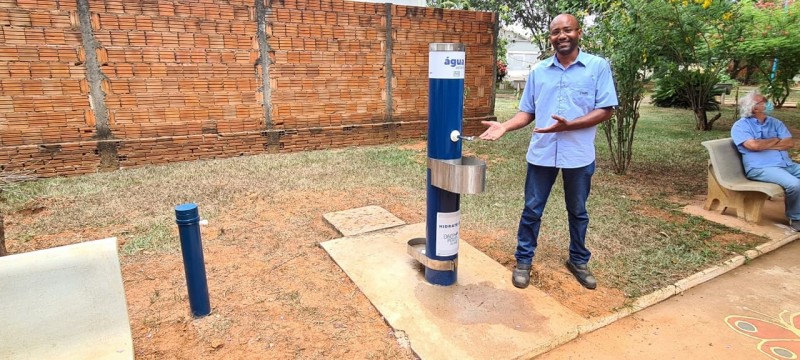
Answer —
763 142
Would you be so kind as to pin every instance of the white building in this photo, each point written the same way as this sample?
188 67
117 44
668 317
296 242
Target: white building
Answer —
521 53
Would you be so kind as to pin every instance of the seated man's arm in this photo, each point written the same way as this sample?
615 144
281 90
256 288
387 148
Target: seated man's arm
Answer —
761 144
784 144
784 136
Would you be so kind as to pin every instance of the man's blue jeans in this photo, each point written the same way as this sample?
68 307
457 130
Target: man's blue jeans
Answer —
538 183
789 179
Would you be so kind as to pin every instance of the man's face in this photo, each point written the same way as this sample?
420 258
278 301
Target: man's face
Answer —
761 103
564 34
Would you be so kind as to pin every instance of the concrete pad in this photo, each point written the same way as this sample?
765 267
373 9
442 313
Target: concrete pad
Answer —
773 224
760 296
700 322
362 220
64 303
482 316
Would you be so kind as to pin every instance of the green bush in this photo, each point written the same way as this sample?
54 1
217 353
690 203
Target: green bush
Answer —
670 89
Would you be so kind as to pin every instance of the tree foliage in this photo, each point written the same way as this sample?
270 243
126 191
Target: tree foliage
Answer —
451 4
622 36
771 44
670 91
687 43
697 41
534 15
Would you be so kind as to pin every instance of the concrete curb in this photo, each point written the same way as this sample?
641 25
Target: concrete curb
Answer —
687 283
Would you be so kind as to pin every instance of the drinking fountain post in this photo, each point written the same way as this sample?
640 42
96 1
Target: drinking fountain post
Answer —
446 67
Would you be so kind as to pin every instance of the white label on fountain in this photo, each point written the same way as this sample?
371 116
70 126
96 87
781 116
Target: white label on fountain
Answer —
446 64
447 233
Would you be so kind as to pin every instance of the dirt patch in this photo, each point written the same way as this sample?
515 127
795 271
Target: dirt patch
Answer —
561 285
274 292
734 239
653 212
278 308
552 278
419 146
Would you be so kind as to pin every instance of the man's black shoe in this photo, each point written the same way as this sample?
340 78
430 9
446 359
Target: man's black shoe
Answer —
795 225
521 276
583 274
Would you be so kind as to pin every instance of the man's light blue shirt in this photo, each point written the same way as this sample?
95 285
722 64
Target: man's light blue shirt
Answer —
750 128
572 92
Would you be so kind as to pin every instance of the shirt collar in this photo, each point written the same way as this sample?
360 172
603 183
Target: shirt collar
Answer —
581 59
755 120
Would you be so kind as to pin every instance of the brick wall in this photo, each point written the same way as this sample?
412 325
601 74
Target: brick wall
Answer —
90 85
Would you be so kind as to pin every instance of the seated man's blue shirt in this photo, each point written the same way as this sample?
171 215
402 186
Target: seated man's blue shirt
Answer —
572 92
750 128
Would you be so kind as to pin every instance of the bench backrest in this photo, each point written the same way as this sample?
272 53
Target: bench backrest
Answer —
726 165
726 160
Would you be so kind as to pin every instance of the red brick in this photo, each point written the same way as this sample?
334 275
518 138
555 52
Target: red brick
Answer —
144 23
166 8
160 24
137 39
169 40
185 40
28 53
119 38
54 37
8 53
68 55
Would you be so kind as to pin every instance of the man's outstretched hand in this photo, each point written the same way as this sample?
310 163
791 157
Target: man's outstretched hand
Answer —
495 131
559 125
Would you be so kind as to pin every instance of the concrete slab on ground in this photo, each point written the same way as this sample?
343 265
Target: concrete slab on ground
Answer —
773 224
482 316
66 302
362 220
757 300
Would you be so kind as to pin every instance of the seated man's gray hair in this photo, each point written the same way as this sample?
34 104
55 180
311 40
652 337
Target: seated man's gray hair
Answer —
747 103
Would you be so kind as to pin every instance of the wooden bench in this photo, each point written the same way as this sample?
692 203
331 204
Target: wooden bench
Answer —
728 186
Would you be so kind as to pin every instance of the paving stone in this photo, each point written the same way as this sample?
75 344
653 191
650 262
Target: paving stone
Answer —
362 220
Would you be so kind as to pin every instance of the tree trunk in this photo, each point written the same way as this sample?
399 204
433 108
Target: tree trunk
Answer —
748 77
734 69
701 119
3 251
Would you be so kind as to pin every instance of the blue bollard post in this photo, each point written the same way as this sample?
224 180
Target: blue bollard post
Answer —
446 66
188 219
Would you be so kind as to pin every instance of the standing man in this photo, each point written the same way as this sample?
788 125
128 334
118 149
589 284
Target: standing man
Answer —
567 95
763 142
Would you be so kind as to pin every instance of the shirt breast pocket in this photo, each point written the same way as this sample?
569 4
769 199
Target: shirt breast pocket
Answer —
582 94
768 134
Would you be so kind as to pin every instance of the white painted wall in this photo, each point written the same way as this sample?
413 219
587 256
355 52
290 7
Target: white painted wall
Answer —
521 54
